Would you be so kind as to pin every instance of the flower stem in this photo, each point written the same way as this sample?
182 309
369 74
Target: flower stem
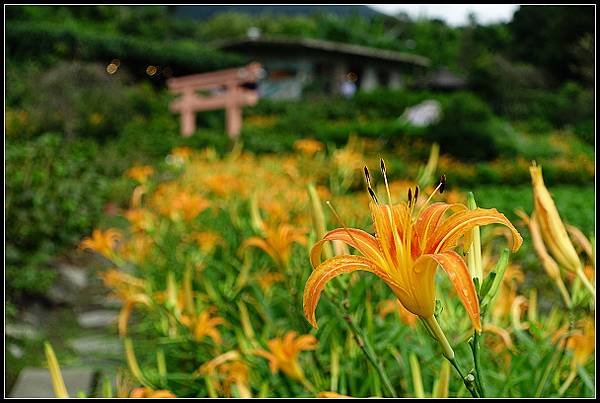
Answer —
438 333
468 380
475 348
435 329
365 346
586 282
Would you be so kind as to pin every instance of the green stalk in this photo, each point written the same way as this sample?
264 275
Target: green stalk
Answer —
475 348
468 380
435 329
58 383
474 258
365 346
433 326
367 349
415 369
586 282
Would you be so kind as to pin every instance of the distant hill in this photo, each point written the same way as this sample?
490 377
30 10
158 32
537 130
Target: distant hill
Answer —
204 12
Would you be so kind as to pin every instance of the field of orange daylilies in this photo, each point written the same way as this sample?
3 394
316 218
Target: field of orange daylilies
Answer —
261 276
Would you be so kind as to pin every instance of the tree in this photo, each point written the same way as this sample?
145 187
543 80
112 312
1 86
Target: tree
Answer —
551 37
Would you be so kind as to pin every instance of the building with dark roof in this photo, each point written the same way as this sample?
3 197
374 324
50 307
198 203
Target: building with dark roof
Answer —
297 66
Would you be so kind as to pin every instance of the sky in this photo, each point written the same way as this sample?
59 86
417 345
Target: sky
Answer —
453 14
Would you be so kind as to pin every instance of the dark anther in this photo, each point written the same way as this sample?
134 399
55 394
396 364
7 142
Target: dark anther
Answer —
382 164
372 195
442 183
409 197
416 192
367 176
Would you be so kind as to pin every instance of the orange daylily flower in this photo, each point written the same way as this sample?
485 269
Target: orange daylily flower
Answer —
407 248
221 184
507 293
182 153
283 353
188 205
507 342
583 343
332 395
130 290
207 241
140 173
267 279
553 230
150 393
103 242
137 247
277 242
231 370
141 219
308 146
204 324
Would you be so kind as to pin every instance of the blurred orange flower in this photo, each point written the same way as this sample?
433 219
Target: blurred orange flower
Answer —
204 324
144 392
308 146
207 241
231 371
130 290
283 353
277 242
103 242
267 279
393 305
140 173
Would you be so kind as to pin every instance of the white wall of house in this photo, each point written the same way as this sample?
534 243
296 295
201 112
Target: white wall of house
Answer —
369 79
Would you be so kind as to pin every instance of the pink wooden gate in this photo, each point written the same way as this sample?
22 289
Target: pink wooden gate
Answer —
221 89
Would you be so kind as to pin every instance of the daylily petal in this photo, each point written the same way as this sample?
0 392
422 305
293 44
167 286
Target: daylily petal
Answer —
331 268
458 224
430 218
387 232
260 244
362 241
305 342
458 272
552 228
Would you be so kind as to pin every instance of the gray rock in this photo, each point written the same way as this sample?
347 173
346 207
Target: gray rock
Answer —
15 350
69 285
108 302
76 277
36 382
97 345
34 315
98 318
21 331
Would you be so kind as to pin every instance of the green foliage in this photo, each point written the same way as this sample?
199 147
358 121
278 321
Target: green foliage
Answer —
468 129
551 37
575 204
50 42
55 192
79 99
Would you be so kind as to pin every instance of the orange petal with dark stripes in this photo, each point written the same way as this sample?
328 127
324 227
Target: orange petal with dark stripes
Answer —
459 275
362 241
458 224
331 268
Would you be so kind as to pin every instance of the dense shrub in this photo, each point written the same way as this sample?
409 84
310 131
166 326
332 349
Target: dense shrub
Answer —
50 42
78 99
468 129
55 192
